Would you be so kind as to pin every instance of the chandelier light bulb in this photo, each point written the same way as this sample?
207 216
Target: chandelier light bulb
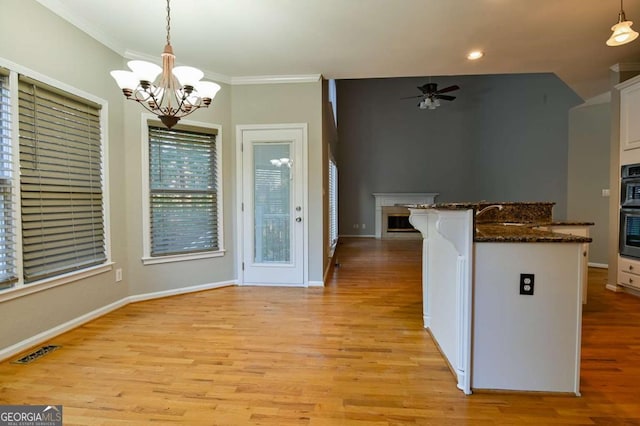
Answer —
125 79
188 76
145 71
207 89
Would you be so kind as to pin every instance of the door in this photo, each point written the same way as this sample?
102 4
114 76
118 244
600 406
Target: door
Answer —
273 208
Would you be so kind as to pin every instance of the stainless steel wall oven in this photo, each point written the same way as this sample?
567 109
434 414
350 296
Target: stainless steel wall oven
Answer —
630 211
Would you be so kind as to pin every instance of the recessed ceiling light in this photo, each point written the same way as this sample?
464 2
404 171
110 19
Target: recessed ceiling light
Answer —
476 54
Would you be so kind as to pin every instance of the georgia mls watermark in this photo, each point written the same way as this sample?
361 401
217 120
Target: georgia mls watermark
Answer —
30 415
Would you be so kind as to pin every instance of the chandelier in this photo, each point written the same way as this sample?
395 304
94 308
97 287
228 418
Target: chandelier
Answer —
622 31
176 93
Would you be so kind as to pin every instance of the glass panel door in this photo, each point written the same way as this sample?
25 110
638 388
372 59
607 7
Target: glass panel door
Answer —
272 203
273 206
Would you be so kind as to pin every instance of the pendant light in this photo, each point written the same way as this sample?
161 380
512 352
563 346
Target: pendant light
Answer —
622 31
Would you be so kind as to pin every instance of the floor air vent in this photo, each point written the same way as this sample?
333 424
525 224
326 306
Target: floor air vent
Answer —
38 353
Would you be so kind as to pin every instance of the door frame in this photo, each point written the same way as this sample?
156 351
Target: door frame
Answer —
240 234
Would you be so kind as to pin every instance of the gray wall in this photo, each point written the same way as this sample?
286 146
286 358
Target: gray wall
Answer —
291 103
83 63
77 60
503 139
588 173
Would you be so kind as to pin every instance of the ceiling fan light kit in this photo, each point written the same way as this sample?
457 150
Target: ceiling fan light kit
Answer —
622 31
178 91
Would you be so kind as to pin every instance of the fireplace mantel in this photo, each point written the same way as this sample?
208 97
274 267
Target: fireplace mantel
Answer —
393 198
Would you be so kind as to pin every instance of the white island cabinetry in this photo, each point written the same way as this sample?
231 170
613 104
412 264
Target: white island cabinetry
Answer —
526 342
492 336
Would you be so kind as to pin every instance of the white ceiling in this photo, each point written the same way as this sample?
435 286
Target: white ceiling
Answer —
368 38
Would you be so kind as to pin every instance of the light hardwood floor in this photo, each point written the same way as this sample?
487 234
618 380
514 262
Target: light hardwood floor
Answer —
352 353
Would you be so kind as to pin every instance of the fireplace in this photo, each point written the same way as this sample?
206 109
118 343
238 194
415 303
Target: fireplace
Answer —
395 223
389 211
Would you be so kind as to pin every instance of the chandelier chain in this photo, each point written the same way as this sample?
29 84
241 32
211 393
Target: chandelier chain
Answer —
168 23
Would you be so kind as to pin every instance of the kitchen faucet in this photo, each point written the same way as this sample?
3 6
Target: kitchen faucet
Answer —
492 206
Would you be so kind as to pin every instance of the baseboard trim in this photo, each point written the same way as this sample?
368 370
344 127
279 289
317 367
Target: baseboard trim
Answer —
176 292
39 338
598 265
13 350
291 285
613 287
357 236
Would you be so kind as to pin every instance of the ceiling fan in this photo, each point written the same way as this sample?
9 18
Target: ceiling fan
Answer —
431 95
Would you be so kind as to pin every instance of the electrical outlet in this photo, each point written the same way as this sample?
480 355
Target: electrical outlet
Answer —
118 274
526 284
355 226
606 192
364 225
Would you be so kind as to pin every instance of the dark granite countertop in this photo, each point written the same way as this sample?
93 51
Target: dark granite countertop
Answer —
564 223
514 221
477 204
521 233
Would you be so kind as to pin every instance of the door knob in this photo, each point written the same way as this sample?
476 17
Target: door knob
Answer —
298 219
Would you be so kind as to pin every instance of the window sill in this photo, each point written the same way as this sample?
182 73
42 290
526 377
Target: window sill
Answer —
147 260
25 289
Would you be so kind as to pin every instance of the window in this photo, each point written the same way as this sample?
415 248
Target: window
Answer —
333 203
8 273
60 182
52 212
184 200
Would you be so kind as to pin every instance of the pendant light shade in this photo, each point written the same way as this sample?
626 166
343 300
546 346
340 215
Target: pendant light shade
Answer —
622 31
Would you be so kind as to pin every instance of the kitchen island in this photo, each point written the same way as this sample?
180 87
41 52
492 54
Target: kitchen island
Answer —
478 259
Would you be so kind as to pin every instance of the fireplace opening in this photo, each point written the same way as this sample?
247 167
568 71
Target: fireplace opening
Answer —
399 222
395 223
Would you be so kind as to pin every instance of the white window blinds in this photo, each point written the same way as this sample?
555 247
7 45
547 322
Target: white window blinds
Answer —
8 273
60 182
183 191
333 202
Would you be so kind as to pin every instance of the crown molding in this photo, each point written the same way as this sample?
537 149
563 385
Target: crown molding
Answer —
276 79
68 15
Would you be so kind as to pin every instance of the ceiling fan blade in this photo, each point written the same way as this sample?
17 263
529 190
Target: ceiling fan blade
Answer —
413 97
448 89
445 97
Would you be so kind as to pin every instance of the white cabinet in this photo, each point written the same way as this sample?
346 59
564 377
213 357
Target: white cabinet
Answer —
628 270
629 273
527 342
629 113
